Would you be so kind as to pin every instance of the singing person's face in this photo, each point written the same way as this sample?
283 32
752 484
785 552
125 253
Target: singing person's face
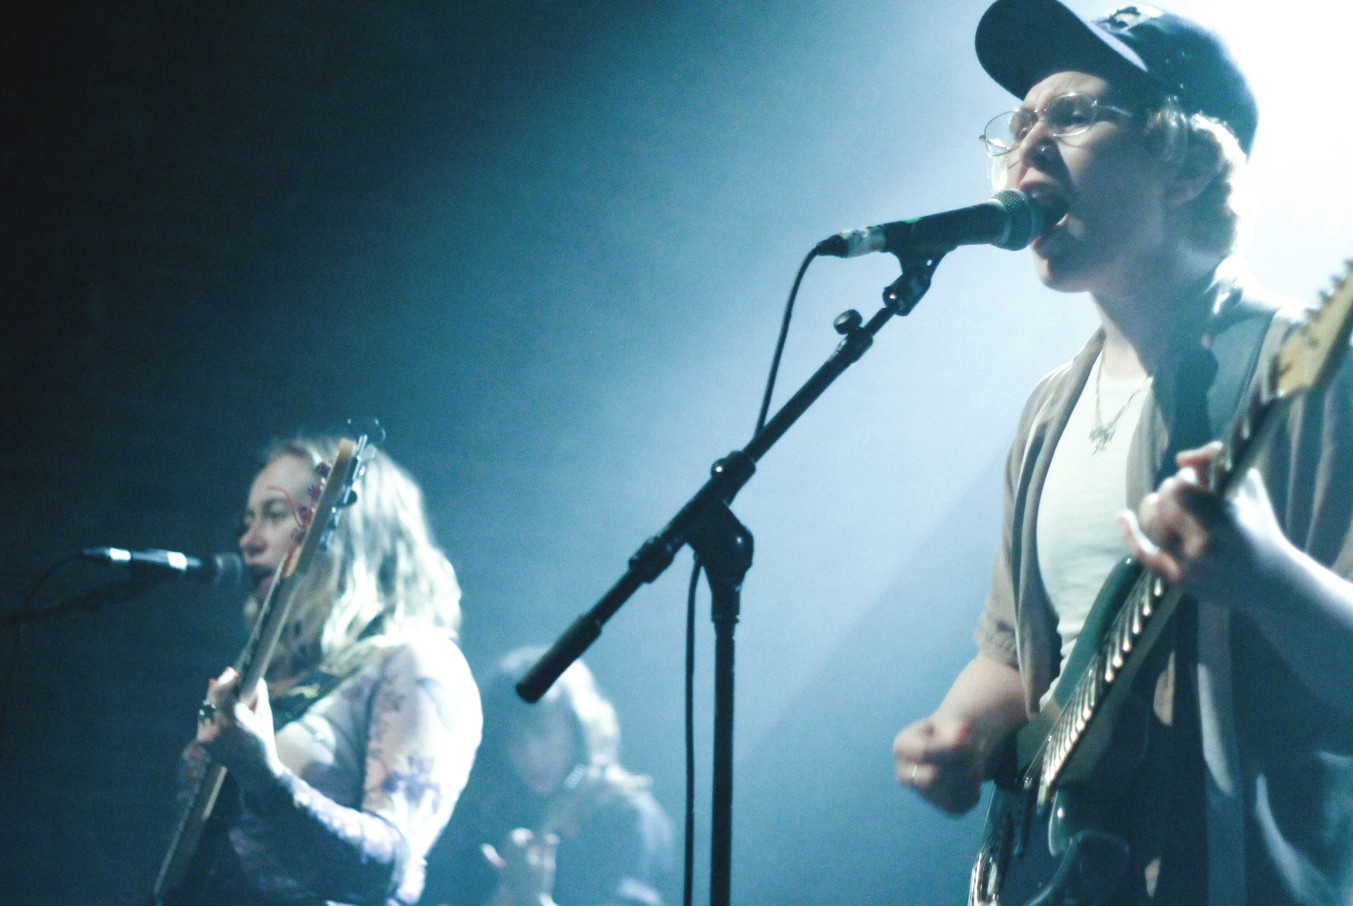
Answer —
1113 188
270 521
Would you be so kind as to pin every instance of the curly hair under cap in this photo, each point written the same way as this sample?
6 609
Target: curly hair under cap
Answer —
382 578
1215 220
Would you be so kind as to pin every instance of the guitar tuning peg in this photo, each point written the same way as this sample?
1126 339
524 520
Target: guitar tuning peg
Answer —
349 499
322 469
315 490
305 513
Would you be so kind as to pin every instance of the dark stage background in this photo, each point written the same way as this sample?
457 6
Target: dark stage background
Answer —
547 245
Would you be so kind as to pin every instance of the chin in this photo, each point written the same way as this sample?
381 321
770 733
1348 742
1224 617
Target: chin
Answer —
1061 274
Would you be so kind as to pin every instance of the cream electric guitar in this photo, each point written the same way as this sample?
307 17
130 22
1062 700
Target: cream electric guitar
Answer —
331 493
1045 842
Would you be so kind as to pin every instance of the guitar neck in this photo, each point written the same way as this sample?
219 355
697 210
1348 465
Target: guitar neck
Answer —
254 660
276 609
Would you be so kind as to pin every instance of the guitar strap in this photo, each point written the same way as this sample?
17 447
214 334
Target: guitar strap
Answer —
1199 386
292 704
1199 391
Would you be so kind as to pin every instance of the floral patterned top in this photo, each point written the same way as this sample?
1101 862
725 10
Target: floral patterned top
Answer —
374 769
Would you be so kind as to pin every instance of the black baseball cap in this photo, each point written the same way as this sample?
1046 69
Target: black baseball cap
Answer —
1021 41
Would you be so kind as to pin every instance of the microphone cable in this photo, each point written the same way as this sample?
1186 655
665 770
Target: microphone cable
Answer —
780 343
688 872
16 647
689 862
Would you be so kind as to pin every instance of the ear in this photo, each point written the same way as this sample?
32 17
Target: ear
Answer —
1197 167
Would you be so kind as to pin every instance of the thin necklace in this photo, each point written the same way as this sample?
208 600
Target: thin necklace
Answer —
1101 434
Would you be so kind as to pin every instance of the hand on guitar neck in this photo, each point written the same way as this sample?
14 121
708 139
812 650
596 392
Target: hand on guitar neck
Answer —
237 732
946 756
1210 546
1230 549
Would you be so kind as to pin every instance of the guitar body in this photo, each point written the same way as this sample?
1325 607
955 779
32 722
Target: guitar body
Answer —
1073 849
212 875
1089 873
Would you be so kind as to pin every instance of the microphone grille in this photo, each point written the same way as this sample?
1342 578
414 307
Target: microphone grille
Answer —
228 573
1024 219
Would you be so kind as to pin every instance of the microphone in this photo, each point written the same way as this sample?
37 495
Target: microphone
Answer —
222 570
1010 220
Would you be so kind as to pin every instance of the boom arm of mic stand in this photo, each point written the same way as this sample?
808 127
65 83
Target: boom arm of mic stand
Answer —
727 478
119 592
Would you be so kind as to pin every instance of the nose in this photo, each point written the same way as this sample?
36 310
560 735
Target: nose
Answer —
1037 150
251 542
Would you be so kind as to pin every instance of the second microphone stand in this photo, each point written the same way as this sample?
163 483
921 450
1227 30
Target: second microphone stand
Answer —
724 546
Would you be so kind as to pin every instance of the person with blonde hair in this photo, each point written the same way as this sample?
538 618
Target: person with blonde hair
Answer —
351 755
549 815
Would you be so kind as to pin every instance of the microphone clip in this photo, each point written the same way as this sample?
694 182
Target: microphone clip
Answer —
906 292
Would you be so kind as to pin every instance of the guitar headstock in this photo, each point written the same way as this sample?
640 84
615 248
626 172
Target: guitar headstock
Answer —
335 493
330 494
1313 350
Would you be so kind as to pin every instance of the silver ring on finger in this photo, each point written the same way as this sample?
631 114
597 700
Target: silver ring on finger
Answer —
911 778
206 712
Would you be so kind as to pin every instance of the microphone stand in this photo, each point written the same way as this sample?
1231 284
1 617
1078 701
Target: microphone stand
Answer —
128 589
724 546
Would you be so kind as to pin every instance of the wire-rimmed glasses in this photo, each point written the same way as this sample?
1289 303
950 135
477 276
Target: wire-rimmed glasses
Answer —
1063 115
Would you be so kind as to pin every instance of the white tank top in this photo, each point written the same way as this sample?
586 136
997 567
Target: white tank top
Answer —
1078 536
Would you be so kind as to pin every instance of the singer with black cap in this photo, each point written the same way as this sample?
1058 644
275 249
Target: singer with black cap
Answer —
1239 788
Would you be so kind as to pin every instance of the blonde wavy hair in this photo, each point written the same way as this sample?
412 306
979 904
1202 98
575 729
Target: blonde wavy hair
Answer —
381 579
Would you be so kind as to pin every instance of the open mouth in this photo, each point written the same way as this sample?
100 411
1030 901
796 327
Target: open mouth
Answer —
1053 204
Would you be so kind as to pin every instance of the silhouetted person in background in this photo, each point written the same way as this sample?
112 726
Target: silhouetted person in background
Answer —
549 815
